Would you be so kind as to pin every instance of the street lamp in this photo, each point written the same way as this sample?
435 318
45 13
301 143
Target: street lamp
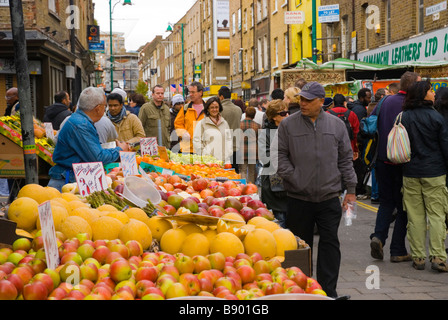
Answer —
170 29
126 2
98 75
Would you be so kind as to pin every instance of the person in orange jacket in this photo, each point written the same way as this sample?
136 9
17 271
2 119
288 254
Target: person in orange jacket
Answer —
187 117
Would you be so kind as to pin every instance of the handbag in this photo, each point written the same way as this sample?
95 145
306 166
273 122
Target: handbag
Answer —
276 183
398 145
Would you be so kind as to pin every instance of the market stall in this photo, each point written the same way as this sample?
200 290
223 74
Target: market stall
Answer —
152 235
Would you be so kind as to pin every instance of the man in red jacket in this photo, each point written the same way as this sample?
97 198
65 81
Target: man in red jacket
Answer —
340 107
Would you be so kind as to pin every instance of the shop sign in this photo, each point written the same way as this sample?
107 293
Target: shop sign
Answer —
428 47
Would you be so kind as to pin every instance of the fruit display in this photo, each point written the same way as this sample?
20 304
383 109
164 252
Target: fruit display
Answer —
205 238
10 127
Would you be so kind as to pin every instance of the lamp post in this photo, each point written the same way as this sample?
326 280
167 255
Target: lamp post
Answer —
170 29
126 2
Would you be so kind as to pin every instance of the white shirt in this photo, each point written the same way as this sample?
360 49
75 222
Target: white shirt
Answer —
258 117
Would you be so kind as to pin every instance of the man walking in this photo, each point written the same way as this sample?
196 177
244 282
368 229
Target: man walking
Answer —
232 114
155 113
315 160
389 177
186 119
57 112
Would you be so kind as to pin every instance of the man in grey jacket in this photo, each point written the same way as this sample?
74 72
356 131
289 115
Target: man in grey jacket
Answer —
232 114
315 162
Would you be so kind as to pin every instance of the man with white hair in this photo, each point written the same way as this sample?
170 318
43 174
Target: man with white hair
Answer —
78 139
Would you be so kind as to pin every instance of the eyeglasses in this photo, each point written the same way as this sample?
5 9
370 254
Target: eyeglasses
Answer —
283 113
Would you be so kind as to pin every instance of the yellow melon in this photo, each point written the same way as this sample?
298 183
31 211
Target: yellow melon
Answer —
59 215
107 207
285 240
227 243
159 226
261 241
24 211
106 228
190 228
34 191
52 192
195 244
123 217
172 240
87 213
74 225
136 230
209 233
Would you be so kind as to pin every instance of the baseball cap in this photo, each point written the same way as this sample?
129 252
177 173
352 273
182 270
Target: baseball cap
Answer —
177 99
312 90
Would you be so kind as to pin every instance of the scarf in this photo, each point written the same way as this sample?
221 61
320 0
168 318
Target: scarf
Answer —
118 117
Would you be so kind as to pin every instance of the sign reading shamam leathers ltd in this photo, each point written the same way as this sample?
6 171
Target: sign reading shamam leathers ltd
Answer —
428 47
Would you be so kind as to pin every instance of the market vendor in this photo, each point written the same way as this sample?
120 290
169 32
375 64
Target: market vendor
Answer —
78 139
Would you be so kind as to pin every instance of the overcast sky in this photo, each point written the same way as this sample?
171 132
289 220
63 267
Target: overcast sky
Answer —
142 21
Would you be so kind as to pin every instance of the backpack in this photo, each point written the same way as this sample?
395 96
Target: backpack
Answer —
344 117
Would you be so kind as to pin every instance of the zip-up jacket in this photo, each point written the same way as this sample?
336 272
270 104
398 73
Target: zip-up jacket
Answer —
315 159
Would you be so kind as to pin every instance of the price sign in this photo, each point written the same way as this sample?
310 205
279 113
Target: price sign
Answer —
90 177
148 146
128 163
49 235
49 130
163 153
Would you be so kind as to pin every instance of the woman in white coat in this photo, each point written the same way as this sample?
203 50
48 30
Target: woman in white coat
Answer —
212 135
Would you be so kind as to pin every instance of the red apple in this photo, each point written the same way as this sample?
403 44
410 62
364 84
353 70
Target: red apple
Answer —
170 269
217 260
147 273
8 290
218 202
294 289
191 283
89 271
25 273
45 279
201 263
85 250
246 273
120 270
206 284
16 281
165 281
265 213
208 199
170 210
300 279
21 244
58 294
206 193
235 192
35 291
141 286
263 276
155 291
216 211
311 285
249 188
227 282
100 254
184 264
135 248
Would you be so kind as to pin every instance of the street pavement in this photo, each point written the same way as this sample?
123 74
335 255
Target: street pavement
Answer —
365 278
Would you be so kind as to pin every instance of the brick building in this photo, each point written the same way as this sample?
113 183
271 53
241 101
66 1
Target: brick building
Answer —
56 35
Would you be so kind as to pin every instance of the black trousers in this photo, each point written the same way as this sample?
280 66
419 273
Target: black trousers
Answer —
301 218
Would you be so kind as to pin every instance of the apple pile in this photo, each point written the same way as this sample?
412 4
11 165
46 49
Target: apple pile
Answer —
113 270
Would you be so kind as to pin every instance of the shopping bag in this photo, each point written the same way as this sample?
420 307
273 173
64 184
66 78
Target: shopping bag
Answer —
398 145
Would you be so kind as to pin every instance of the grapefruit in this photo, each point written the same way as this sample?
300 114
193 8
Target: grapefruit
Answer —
34 191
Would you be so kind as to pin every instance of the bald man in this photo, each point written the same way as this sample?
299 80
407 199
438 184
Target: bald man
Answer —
12 101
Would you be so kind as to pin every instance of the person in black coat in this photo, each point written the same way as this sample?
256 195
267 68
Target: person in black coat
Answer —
57 112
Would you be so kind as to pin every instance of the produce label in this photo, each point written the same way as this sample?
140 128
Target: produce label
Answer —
163 153
148 146
49 235
90 177
49 130
128 163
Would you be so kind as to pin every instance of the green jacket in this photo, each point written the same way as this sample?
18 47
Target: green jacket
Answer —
149 115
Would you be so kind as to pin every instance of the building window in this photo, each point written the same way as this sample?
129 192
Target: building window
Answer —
239 20
234 64
252 16
388 22
252 56
240 60
265 8
260 55
259 11
286 37
233 24
266 53
344 37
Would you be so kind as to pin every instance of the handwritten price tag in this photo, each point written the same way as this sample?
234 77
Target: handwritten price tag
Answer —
90 177
128 163
49 130
148 146
49 235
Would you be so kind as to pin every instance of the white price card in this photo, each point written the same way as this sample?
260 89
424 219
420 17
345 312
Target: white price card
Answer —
148 146
49 130
90 177
128 163
49 235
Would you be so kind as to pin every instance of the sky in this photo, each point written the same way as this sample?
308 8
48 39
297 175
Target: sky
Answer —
142 21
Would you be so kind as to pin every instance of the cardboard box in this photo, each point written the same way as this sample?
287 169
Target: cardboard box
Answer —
11 159
300 258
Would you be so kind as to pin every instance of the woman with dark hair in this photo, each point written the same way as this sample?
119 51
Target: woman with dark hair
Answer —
272 190
441 102
212 135
136 100
425 197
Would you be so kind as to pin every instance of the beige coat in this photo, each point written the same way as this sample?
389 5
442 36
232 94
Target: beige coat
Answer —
149 115
130 129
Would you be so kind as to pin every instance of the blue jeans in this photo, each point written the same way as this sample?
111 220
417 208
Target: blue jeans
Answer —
56 183
374 193
390 182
